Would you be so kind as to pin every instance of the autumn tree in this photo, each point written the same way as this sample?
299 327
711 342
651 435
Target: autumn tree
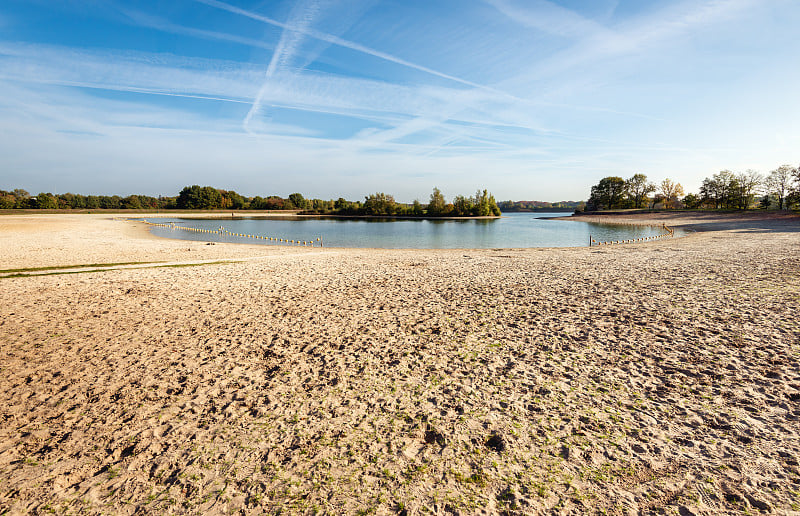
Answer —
671 191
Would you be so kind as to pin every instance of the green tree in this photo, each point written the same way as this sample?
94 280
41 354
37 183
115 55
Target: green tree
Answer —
298 201
692 201
637 188
232 200
719 189
462 206
46 201
437 204
199 198
379 204
608 194
7 200
132 202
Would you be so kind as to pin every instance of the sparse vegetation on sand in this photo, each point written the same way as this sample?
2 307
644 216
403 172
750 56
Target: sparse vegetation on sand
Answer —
661 376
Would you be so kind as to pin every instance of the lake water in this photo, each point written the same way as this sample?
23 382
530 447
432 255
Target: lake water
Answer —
512 230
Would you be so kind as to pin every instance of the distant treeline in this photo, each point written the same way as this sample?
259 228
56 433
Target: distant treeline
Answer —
21 199
482 204
197 197
779 189
522 206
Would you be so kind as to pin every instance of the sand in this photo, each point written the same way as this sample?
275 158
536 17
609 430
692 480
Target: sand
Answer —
649 378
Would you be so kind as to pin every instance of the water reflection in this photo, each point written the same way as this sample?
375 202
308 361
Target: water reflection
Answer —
518 230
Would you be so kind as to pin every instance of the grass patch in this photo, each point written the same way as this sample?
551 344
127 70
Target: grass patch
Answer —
175 265
178 265
59 267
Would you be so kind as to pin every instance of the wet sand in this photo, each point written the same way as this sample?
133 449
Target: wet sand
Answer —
649 378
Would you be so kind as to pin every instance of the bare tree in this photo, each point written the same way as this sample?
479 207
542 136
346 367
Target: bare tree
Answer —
779 183
748 184
671 192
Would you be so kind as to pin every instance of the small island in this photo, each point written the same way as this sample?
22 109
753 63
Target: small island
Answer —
379 204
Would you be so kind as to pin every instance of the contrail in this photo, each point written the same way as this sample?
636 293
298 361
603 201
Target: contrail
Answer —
291 38
335 40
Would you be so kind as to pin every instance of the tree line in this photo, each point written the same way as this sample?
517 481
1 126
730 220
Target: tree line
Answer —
779 189
482 204
197 197
525 206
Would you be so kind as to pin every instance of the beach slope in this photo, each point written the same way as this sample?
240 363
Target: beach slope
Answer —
631 378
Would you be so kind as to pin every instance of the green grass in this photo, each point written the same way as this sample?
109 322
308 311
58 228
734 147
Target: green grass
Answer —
175 265
59 267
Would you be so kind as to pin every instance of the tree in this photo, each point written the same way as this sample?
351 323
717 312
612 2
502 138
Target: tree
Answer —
671 192
692 201
92 202
747 186
416 209
638 188
298 201
46 201
132 202
437 204
379 204
232 200
7 200
493 207
484 204
199 198
779 183
718 189
462 206
608 193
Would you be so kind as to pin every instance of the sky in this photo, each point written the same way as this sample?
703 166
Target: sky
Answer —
531 99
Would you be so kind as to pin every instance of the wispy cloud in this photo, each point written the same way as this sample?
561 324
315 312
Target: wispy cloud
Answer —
168 75
549 17
139 72
293 34
500 91
336 40
662 25
158 23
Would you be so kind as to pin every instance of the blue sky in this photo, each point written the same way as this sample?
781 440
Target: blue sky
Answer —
533 99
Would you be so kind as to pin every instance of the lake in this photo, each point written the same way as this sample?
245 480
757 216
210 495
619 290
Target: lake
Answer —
516 230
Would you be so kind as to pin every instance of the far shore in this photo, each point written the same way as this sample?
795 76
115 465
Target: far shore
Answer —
150 375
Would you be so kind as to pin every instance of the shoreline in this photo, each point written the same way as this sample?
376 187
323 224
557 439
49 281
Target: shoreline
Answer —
657 377
388 219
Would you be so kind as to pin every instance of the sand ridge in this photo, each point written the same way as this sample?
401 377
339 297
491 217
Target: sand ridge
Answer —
658 377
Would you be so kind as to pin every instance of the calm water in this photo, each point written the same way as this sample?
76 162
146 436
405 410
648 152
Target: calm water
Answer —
512 230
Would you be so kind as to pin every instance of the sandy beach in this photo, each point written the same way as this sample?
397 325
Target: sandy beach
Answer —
654 378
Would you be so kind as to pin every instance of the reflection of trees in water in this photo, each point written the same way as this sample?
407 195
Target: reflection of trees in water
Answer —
480 222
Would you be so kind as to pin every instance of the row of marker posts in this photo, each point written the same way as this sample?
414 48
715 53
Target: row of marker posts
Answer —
669 233
223 231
